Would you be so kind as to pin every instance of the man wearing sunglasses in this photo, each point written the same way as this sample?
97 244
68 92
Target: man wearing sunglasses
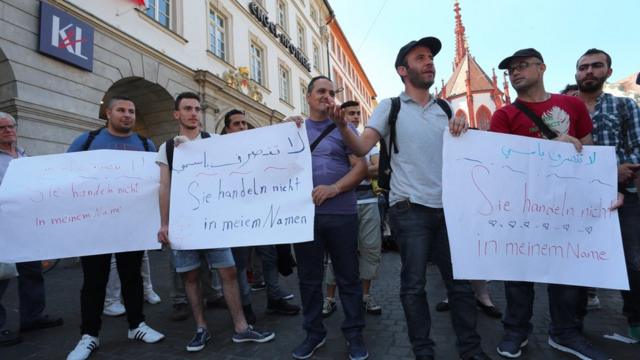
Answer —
566 119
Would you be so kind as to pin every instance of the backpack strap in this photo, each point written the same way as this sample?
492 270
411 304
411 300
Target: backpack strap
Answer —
444 105
171 144
92 135
393 117
324 134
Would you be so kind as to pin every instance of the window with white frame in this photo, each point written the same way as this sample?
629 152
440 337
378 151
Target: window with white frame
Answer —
303 98
218 34
257 63
316 56
284 83
282 15
314 14
160 11
302 38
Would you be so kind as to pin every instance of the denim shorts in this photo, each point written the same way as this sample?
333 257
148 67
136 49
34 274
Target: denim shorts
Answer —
187 260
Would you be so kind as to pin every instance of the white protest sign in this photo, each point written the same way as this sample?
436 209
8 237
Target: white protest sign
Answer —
247 188
526 209
81 203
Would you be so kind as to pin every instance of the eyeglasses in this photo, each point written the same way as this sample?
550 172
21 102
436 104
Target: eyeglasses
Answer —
7 127
595 65
522 65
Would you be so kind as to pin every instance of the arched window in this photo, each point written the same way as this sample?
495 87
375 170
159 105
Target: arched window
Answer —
483 117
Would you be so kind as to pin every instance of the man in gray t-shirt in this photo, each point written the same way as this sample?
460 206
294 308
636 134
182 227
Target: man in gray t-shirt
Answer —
416 215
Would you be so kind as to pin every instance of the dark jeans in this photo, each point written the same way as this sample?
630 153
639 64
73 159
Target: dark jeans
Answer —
95 269
337 234
30 293
269 258
421 234
566 304
629 216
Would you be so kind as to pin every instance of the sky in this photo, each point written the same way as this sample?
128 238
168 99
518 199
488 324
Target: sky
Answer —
561 30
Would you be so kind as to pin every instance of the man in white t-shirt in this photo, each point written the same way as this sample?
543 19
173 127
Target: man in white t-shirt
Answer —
187 262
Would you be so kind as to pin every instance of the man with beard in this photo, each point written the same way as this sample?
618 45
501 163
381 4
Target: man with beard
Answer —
617 123
568 118
416 213
187 112
117 135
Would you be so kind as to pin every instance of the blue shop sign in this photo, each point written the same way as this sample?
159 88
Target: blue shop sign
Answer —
66 38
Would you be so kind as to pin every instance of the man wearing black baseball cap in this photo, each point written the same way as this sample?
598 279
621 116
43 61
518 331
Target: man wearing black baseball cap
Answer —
415 196
537 113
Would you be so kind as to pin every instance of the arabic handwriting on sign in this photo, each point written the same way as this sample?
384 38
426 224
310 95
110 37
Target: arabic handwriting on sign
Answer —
299 143
507 152
558 159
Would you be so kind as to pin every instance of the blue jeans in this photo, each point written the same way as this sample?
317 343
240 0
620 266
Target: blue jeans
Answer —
565 307
30 293
421 234
629 216
269 258
338 235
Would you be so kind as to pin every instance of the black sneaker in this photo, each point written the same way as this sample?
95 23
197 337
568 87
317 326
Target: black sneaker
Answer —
259 286
8 337
328 307
253 335
511 345
579 346
307 348
199 340
442 305
249 315
281 306
357 350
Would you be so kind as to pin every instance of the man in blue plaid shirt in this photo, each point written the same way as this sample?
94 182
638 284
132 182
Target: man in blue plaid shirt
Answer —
616 122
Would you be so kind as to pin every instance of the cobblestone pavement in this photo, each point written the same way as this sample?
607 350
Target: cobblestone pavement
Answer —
385 335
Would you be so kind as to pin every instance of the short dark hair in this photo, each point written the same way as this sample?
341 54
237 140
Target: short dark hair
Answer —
349 103
569 87
185 95
319 77
115 98
229 114
594 51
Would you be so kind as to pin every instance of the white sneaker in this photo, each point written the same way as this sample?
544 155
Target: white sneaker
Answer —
144 333
151 297
114 309
593 303
84 348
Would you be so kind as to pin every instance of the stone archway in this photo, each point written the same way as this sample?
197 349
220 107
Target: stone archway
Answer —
8 86
154 107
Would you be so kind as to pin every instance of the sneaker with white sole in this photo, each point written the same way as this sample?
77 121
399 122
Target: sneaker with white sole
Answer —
199 340
151 297
85 347
253 335
579 346
593 302
114 309
144 333
370 306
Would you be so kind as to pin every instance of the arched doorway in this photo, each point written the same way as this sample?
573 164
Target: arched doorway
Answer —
154 107
483 117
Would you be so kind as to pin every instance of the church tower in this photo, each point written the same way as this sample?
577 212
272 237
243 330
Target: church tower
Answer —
472 93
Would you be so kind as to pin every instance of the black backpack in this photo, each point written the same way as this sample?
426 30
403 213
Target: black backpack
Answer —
384 166
94 133
171 144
